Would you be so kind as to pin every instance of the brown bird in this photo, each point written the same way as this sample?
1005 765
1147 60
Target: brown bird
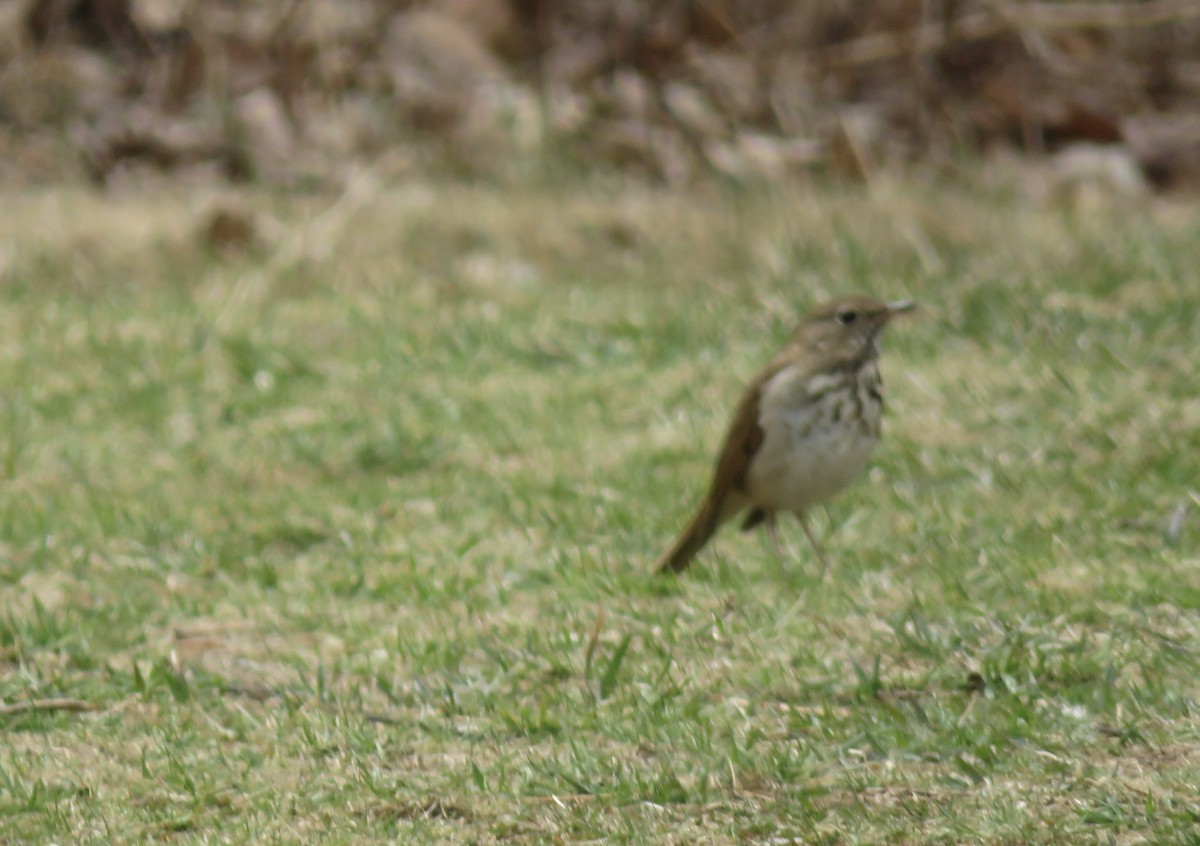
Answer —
805 427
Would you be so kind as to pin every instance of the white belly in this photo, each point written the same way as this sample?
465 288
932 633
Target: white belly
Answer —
811 450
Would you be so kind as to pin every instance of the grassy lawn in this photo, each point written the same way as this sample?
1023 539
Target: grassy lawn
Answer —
347 538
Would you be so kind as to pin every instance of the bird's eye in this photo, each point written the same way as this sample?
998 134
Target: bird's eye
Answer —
846 317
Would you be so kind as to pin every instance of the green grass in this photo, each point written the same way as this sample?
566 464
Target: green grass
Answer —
348 539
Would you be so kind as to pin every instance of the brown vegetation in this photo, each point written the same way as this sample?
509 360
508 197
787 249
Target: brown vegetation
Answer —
287 91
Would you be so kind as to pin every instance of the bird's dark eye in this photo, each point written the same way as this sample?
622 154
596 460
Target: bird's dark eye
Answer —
846 317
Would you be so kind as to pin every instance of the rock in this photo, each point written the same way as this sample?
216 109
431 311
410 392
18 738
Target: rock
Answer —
439 70
268 134
689 106
1108 168
759 154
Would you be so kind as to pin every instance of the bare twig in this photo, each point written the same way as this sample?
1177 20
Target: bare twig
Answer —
922 39
318 239
562 800
32 705
385 719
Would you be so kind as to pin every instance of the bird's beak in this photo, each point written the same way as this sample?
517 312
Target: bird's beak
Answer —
899 307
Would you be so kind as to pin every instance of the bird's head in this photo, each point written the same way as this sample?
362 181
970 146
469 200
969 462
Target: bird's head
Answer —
848 328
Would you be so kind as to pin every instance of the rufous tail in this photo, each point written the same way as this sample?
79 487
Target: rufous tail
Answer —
692 539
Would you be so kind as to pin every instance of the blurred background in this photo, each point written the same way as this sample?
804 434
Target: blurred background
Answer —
289 93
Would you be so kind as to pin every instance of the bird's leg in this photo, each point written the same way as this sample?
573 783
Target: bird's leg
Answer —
773 533
829 521
816 546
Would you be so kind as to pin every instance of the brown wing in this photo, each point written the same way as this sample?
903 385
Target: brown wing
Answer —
741 443
726 497
745 435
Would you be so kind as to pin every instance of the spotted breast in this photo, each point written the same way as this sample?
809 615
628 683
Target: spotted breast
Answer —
818 435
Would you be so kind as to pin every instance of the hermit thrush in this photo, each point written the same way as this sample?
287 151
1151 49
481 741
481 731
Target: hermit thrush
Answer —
804 429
